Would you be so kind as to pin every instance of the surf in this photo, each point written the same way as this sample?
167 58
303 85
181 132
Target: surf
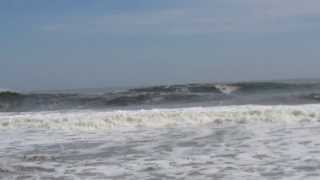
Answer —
242 93
161 118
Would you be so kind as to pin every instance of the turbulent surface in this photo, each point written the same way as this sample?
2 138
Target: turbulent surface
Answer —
182 95
159 118
230 131
234 142
247 151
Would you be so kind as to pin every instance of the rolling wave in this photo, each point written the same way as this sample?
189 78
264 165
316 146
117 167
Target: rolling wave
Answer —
159 118
214 94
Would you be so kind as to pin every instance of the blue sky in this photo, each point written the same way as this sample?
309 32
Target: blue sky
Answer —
62 44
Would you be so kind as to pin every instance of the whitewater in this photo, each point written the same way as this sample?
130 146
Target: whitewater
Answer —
161 118
234 131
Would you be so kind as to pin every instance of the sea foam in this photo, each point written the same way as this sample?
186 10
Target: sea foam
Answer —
155 118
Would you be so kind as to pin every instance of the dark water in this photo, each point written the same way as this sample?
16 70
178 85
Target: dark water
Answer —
183 95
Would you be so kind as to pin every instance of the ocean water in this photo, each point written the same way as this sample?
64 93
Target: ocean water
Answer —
268 130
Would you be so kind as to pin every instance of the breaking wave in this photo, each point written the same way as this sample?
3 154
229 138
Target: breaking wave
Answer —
219 116
213 94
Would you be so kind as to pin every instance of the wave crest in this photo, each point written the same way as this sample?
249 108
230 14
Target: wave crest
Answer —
93 120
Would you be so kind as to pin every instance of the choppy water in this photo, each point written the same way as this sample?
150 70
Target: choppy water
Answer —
210 94
240 131
265 151
287 147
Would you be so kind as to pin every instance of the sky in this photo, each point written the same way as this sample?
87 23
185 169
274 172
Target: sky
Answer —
70 44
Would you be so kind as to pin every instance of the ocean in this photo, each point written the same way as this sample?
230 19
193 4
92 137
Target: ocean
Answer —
246 131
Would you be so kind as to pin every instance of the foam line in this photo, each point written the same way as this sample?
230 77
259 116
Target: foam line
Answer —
93 120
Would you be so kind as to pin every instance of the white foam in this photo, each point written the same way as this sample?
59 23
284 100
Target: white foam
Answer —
94 120
227 89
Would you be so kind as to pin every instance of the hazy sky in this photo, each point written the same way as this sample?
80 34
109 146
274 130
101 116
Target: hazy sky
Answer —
61 44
